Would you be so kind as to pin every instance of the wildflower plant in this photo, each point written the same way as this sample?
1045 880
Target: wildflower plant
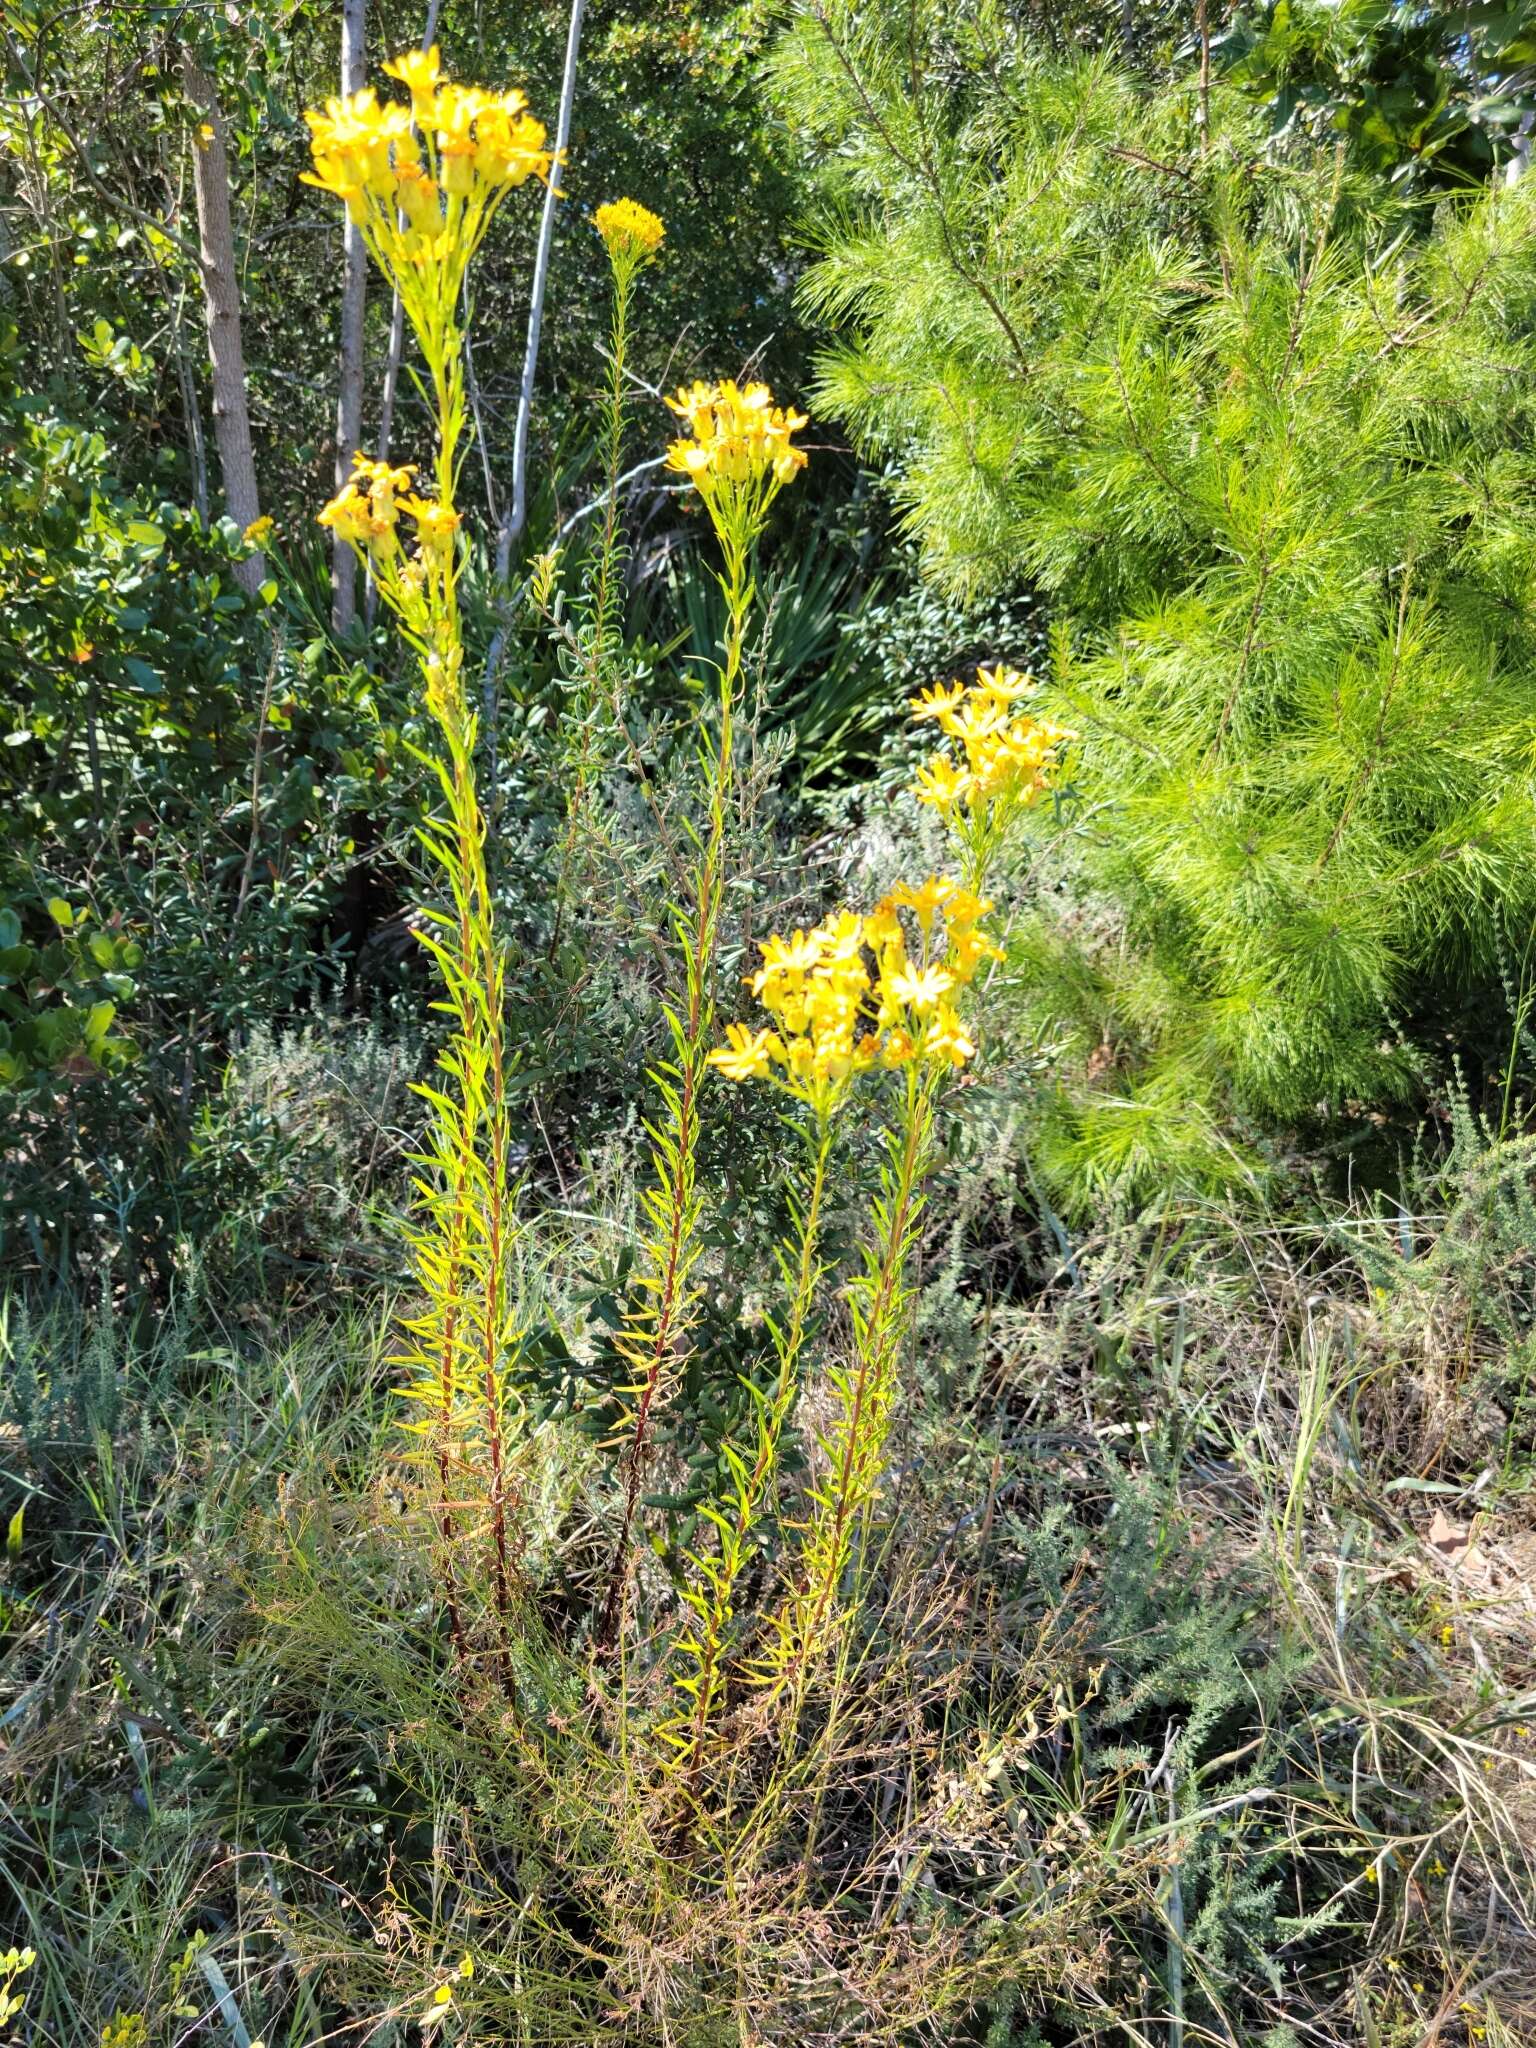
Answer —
632 236
879 995
865 1014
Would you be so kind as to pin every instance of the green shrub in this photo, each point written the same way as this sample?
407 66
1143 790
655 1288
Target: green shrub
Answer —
1263 451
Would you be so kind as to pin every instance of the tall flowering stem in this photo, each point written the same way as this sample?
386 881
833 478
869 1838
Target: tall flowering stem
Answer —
738 454
631 235
423 182
858 996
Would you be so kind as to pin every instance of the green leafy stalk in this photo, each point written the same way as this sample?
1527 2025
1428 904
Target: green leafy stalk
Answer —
864 1391
703 1651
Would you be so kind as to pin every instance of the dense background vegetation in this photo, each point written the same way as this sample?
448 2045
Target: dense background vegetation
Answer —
1184 357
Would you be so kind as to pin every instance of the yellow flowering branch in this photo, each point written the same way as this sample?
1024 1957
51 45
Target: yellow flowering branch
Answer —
1003 761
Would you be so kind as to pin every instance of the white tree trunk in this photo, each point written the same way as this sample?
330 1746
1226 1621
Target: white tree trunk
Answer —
221 301
354 295
517 513
517 504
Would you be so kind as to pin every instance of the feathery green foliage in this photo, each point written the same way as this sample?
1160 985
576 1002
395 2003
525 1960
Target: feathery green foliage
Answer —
1258 433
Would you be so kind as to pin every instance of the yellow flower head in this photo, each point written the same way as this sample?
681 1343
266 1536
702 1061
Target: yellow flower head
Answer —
383 483
349 516
848 995
629 230
1003 684
918 988
947 1037
423 180
1002 761
941 783
927 899
747 1055
436 524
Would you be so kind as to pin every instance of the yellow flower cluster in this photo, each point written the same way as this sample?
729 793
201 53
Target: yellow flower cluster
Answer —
423 180
736 436
852 994
1003 756
629 230
367 514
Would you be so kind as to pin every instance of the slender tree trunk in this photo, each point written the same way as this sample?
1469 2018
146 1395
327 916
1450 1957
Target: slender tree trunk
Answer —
1203 26
354 295
221 299
397 311
517 513
517 504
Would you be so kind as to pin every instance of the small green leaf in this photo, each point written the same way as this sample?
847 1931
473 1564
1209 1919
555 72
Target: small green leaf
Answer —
60 912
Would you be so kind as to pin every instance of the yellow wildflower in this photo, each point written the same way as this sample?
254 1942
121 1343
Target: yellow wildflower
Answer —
1004 762
1003 684
941 783
947 1037
898 1048
925 901
748 1055
436 524
938 701
350 516
423 180
418 71
919 988
836 1018
976 721
257 533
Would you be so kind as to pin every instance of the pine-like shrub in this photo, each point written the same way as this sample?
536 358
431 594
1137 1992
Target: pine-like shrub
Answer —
1260 434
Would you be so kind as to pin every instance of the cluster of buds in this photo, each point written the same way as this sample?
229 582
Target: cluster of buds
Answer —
857 992
631 233
422 181
1004 759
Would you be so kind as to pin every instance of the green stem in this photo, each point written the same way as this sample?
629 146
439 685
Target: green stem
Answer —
673 1252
